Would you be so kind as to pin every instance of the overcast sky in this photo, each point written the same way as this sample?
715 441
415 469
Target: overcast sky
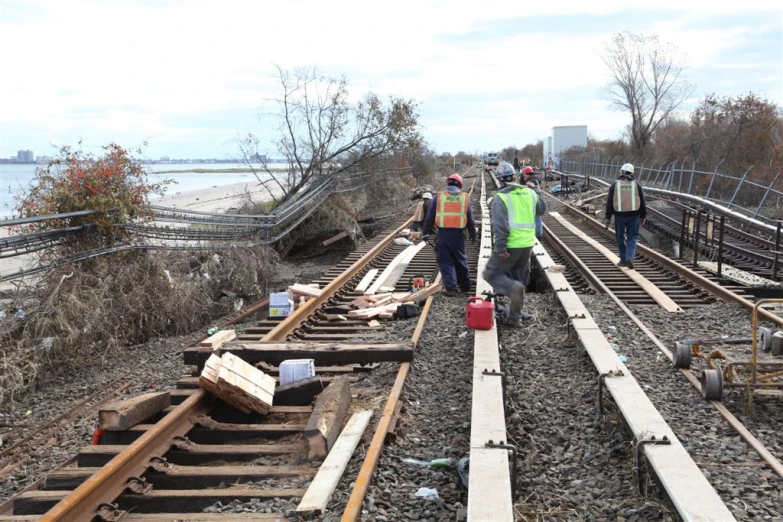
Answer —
189 76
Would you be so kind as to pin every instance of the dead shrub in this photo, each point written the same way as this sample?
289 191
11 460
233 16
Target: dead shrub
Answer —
122 300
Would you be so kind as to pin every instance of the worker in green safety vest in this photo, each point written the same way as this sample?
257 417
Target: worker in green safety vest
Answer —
514 209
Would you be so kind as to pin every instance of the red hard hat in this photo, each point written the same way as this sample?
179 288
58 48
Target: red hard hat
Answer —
528 170
456 177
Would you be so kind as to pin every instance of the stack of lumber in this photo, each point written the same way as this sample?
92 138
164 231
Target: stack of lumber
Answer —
238 383
299 289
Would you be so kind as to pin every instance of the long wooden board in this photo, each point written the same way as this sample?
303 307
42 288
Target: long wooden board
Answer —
648 286
391 267
274 352
489 491
366 280
323 485
391 280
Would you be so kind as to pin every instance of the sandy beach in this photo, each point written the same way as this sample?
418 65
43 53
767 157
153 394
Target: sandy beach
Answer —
221 198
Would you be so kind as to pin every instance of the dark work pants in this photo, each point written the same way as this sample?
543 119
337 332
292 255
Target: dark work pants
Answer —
452 261
626 227
497 270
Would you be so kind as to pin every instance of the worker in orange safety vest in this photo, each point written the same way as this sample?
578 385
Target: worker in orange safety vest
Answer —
450 212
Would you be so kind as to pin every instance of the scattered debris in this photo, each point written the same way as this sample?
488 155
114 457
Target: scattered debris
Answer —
238 383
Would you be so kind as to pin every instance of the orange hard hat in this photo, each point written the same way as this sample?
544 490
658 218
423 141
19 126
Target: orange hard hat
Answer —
456 177
528 170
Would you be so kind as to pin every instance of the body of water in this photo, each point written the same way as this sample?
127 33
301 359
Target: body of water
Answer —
16 179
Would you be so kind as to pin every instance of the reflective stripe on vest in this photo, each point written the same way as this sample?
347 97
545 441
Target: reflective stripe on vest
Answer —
452 210
521 207
626 198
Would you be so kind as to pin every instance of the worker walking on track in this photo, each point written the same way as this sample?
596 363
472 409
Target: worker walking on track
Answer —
421 211
625 201
450 213
514 209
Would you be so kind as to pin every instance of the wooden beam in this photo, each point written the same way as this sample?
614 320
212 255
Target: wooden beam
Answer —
326 421
298 393
218 338
391 281
218 432
274 352
121 415
424 293
332 239
183 477
305 290
366 280
190 454
323 485
388 270
158 501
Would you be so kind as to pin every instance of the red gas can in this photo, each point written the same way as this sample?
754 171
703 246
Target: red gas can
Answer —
479 313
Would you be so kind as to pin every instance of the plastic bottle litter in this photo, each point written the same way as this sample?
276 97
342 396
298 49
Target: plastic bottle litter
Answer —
19 314
212 330
612 329
462 335
615 347
428 493
623 358
435 463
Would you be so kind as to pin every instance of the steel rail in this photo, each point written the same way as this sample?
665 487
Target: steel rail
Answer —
102 488
735 423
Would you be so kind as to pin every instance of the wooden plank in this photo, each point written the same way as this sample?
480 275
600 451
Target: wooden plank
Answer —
298 393
158 501
121 415
323 485
274 352
366 280
183 477
191 454
218 338
337 237
388 270
213 433
391 280
326 421
374 324
686 486
648 286
305 290
244 386
423 294
489 490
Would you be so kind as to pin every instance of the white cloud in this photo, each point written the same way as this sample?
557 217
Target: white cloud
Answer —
132 69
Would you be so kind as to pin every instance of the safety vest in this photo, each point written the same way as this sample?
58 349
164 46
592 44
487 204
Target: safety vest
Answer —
452 210
521 206
626 197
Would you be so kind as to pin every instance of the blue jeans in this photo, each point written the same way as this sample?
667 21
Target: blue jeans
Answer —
539 227
626 232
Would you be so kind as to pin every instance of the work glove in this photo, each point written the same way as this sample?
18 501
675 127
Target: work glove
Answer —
425 238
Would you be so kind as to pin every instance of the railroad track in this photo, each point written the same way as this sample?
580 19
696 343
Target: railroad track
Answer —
175 465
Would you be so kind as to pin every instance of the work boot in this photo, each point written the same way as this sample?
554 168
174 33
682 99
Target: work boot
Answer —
621 262
516 296
450 293
524 316
629 263
513 323
465 290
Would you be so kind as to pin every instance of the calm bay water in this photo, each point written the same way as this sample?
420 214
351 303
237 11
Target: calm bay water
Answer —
14 179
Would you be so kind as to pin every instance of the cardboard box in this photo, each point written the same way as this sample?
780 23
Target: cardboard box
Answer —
280 305
294 370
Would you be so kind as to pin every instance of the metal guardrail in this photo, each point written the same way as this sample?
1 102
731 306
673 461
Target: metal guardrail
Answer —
756 200
220 230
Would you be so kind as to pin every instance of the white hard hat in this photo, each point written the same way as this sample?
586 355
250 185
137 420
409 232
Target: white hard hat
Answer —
627 168
426 195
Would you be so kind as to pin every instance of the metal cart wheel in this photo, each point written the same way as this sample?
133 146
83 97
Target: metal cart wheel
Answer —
712 384
682 355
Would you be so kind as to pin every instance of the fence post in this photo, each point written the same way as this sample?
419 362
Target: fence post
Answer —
682 231
739 185
777 249
690 183
696 234
682 167
763 199
720 246
714 173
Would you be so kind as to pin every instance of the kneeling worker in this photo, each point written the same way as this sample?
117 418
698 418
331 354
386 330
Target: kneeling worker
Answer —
421 211
450 212
514 209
